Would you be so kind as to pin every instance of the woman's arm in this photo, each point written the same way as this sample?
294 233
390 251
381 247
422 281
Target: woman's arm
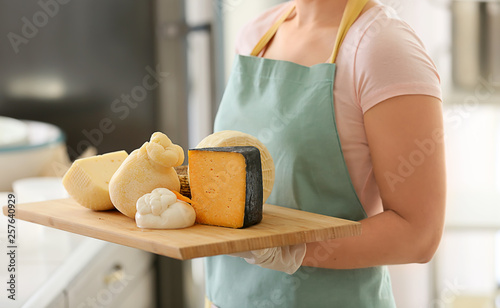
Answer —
405 136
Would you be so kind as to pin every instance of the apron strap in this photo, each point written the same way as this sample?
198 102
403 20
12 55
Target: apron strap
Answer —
351 13
270 33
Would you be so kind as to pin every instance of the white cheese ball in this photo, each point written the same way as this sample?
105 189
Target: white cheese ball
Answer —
160 209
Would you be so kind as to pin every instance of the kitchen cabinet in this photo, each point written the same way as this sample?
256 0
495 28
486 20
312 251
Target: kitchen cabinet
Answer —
102 274
60 269
59 302
119 272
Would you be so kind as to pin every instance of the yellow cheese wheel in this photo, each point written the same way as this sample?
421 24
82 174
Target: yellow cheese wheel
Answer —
231 138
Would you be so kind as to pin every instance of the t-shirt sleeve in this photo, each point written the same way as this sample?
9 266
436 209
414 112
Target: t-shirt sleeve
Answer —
391 61
242 43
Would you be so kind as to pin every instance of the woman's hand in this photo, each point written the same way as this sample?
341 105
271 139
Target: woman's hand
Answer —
405 136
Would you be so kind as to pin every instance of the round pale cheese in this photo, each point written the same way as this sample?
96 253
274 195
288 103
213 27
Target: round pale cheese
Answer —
147 168
230 138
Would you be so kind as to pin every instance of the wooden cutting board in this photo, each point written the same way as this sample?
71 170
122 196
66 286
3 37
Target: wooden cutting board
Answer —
280 226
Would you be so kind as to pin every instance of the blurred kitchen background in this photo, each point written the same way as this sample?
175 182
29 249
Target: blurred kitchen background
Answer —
105 74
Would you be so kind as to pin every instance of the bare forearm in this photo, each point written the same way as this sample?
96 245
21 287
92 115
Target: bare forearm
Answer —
410 228
386 238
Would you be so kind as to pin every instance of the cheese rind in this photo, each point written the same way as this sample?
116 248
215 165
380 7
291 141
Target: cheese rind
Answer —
231 138
226 185
87 180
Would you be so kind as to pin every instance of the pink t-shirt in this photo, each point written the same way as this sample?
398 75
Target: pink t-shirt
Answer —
381 57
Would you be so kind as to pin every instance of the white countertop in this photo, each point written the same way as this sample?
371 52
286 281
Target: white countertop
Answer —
41 251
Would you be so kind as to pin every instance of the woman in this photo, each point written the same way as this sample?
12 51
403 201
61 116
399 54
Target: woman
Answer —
358 137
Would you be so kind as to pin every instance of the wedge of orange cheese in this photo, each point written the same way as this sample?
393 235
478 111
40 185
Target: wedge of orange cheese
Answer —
87 180
226 185
231 138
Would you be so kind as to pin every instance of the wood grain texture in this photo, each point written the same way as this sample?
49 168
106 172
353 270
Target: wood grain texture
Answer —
280 226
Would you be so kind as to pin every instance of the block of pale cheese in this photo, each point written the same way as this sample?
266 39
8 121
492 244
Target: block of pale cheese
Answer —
231 138
161 209
87 180
145 169
226 185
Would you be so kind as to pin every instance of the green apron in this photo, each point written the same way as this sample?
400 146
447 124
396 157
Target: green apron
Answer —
289 107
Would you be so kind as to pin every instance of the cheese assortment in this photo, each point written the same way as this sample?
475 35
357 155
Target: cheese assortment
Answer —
230 175
229 138
145 169
161 209
87 179
226 185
